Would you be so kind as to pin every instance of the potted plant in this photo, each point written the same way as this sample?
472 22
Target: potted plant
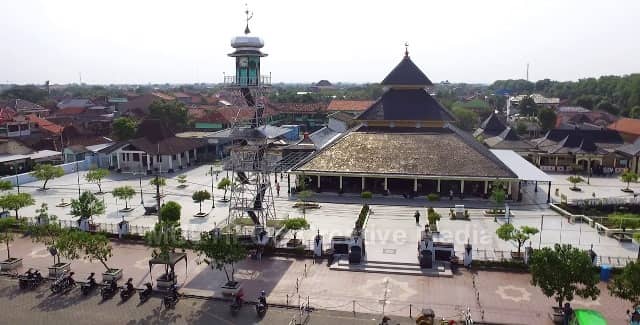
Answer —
575 180
97 247
6 236
519 236
199 197
224 184
85 207
295 224
182 180
628 177
48 234
124 193
67 245
222 252
165 238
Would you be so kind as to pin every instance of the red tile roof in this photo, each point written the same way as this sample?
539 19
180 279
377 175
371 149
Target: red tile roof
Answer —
6 115
626 125
298 107
163 96
349 105
45 125
70 111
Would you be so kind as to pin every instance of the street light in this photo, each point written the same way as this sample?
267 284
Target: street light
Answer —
16 168
213 201
78 173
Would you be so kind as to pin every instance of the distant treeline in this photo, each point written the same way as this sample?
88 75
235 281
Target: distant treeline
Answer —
615 94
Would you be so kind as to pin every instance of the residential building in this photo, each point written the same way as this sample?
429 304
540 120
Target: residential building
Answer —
629 128
348 106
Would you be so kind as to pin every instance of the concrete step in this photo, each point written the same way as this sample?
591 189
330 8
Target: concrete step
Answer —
442 270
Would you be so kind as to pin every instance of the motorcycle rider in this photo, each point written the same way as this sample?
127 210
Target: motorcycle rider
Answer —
90 280
129 285
263 298
69 279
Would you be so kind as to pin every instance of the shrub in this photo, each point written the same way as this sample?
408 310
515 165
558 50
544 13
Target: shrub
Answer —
623 220
433 197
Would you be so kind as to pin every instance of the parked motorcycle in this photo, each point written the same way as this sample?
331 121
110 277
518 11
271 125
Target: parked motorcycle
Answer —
127 290
88 286
108 289
146 293
63 283
30 279
171 298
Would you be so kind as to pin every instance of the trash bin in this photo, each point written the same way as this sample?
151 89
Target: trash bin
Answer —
605 272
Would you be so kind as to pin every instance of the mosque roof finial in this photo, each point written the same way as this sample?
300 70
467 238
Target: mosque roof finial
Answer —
249 15
406 49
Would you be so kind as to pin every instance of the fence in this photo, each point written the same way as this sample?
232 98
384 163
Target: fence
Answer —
114 228
68 169
504 256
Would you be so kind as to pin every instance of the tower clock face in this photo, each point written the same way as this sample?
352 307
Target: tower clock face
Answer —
243 62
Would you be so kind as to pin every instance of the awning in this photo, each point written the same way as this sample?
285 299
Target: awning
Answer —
525 170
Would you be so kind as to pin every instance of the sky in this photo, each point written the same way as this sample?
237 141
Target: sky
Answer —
187 41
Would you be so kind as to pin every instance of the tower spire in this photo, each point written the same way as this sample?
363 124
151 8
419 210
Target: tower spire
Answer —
406 49
249 15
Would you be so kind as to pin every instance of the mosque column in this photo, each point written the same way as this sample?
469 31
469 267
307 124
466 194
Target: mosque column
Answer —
340 181
438 189
318 181
385 184
415 185
486 187
462 186
363 183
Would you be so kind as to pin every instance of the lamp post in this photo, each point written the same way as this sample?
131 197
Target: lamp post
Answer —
78 174
213 201
15 169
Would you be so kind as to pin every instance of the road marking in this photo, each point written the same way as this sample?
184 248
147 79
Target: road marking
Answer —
503 293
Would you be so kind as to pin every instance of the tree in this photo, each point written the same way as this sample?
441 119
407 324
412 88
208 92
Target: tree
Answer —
87 206
365 196
16 201
634 112
96 175
159 182
224 184
296 224
31 93
498 195
547 119
626 284
96 247
304 197
165 237
200 196
124 193
69 244
563 272
608 107
46 233
46 173
172 113
6 236
629 177
527 106
575 180
170 212
5 185
220 252
508 232
124 128
467 119
521 128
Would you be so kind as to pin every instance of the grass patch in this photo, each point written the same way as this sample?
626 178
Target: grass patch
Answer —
277 224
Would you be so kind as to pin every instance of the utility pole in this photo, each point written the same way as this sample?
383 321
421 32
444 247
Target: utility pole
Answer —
141 198
213 201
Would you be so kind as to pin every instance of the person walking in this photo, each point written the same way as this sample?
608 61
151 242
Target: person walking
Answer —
278 189
417 216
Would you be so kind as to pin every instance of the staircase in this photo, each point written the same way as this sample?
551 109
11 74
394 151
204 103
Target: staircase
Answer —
442 269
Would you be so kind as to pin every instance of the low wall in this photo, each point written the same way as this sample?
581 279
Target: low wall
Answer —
27 178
